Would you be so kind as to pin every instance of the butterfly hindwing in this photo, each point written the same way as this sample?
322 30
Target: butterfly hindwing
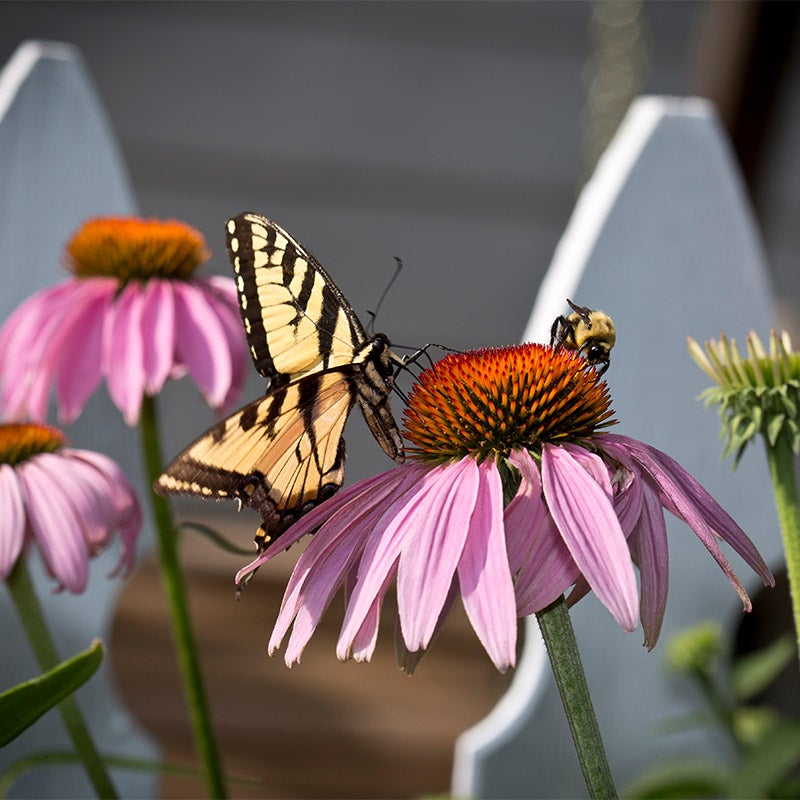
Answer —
281 455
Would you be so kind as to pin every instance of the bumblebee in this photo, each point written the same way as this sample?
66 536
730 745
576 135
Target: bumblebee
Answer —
590 332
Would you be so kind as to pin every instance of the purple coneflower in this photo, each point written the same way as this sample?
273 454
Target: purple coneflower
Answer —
133 313
512 494
69 502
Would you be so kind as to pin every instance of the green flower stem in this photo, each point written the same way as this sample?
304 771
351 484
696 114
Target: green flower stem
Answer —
784 483
559 638
172 578
30 613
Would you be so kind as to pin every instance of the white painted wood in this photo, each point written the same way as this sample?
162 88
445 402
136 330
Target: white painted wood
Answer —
662 238
59 164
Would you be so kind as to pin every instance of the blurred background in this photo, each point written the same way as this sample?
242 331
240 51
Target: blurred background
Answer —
457 136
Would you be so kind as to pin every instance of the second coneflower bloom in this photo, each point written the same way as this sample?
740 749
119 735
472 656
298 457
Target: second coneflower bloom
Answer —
69 503
134 313
514 492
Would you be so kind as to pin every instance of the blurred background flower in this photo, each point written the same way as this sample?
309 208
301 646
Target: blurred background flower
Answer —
69 503
134 313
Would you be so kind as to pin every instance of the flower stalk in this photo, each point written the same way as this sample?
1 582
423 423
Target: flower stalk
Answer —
781 461
172 578
565 661
33 621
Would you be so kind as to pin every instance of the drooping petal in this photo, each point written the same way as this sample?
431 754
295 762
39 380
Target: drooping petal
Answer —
487 589
681 493
29 339
12 520
525 511
201 343
120 509
548 571
56 527
80 347
537 554
383 547
123 353
322 567
585 516
440 523
158 333
226 302
407 660
648 543
628 501
366 638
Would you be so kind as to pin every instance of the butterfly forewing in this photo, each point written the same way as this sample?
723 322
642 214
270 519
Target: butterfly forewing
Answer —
296 319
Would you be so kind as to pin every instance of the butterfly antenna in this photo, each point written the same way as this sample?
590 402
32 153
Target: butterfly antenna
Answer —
374 314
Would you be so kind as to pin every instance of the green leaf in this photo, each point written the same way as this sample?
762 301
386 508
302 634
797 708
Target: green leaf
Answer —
680 779
753 672
766 764
216 537
22 705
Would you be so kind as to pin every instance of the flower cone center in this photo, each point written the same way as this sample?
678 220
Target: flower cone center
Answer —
128 248
496 400
21 440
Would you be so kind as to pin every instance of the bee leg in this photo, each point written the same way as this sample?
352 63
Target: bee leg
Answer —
559 332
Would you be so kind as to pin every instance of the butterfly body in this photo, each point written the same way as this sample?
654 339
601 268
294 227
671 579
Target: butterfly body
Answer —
284 453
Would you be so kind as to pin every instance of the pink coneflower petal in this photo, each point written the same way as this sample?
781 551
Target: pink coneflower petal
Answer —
55 524
201 343
227 307
123 357
78 362
396 527
687 499
648 543
585 517
484 575
12 520
119 508
628 502
158 333
366 638
325 562
440 521
29 339
526 510
548 571
407 660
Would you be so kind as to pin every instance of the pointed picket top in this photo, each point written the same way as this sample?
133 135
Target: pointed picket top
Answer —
664 240
59 165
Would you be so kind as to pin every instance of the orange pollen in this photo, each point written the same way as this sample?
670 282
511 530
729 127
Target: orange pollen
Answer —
496 400
129 248
21 440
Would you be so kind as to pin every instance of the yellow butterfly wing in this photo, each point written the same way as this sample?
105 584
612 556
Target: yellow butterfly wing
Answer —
280 455
296 319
